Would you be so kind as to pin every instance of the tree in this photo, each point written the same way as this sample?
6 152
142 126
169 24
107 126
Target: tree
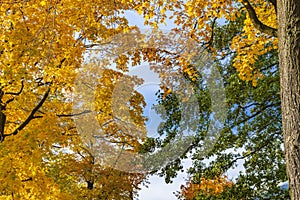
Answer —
262 32
43 45
42 49
205 189
253 124
289 62
81 176
53 154
94 167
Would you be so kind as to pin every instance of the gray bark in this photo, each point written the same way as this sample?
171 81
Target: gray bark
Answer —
288 14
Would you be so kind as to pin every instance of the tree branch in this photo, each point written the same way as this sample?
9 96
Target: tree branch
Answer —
211 40
255 21
61 62
2 124
74 114
256 150
274 3
31 116
252 116
2 117
28 179
17 93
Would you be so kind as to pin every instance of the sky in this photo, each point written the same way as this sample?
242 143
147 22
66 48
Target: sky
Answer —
158 189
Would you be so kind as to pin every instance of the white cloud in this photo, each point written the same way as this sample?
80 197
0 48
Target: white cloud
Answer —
159 190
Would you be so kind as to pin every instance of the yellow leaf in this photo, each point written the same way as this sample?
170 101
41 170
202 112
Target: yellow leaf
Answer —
43 3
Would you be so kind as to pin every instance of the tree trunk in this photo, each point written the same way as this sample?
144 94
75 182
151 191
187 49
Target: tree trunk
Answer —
289 62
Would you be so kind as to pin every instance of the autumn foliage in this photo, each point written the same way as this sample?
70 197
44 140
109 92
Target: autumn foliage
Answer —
45 45
42 47
205 187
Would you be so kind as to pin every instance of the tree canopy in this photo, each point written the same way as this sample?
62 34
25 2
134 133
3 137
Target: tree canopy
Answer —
48 47
43 156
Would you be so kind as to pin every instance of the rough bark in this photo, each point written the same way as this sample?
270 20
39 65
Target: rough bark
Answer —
289 61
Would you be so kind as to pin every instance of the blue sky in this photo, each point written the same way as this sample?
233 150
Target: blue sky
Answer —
158 189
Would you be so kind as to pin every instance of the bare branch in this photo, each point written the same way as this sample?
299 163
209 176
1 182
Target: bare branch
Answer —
258 24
